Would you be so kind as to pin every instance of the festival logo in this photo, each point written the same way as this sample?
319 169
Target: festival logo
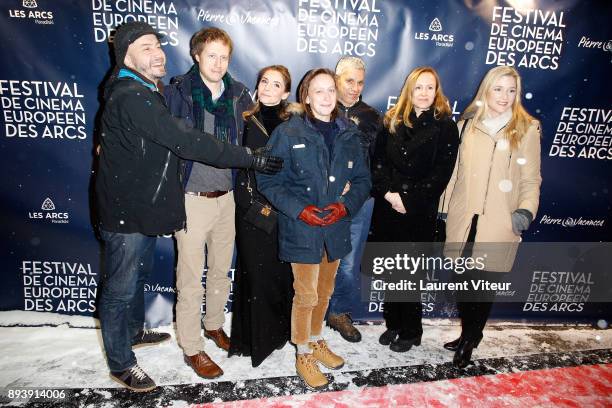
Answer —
527 38
583 133
43 110
559 291
350 28
59 286
107 15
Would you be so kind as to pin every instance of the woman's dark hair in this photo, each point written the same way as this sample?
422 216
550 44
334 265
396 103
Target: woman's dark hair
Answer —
284 72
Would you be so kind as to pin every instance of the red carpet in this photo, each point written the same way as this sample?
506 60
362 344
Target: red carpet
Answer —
582 386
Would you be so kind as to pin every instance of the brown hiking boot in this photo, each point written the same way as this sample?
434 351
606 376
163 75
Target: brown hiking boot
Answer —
343 324
219 337
308 370
203 365
325 356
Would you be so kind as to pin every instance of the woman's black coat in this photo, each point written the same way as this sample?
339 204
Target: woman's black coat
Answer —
263 285
416 162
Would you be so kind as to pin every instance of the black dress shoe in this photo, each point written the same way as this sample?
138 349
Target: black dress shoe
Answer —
453 345
388 336
463 354
403 345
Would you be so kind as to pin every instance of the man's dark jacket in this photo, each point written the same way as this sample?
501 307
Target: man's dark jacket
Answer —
180 103
138 184
368 120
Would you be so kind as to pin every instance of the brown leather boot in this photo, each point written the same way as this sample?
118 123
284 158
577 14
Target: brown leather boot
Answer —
308 370
343 324
219 337
203 365
324 355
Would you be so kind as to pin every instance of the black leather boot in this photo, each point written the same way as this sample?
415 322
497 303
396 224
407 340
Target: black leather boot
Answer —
463 354
388 336
453 345
403 345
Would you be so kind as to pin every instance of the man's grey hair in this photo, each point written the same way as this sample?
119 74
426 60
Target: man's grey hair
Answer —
349 62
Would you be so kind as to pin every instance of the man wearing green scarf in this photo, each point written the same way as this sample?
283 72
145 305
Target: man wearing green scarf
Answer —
209 99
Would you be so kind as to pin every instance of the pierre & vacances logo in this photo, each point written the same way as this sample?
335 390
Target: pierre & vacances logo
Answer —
570 222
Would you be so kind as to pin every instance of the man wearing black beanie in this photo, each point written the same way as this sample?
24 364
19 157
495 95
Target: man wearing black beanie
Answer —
139 193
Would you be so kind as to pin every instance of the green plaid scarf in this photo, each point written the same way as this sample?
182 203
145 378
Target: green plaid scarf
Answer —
223 109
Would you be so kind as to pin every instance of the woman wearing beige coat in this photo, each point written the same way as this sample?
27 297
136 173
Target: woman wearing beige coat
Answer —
493 194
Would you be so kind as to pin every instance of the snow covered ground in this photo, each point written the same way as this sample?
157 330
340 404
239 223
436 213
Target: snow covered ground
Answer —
66 352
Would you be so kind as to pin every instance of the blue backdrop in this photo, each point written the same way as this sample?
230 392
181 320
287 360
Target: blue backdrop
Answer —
55 55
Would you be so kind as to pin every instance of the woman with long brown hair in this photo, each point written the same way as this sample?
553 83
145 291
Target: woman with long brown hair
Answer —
261 307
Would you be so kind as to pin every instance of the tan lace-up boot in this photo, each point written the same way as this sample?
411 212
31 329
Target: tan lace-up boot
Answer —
324 355
308 369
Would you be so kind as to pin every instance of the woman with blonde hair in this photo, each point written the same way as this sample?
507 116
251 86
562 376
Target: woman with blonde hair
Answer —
493 195
413 161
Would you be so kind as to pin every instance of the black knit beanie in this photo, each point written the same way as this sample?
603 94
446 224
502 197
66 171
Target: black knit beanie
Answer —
128 33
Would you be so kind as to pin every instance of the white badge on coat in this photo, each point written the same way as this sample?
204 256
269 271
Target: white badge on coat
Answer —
299 146
350 164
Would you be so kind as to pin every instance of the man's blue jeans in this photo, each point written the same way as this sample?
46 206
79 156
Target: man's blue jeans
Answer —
346 291
128 261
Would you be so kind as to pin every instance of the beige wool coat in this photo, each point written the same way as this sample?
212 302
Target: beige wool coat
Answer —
492 180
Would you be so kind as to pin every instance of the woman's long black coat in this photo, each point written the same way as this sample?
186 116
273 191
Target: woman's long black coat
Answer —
416 162
263 285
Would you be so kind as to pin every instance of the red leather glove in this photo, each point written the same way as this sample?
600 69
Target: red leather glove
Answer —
310 217
336 212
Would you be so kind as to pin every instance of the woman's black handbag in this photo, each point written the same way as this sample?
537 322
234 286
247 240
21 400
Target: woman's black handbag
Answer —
440 230
261 216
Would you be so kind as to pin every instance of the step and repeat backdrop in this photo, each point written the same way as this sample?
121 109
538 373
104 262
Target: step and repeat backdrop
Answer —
55 55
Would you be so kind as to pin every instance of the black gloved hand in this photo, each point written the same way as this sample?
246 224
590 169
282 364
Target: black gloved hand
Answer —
521 218
264 163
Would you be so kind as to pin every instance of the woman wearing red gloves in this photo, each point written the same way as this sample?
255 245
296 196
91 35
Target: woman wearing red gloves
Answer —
324 180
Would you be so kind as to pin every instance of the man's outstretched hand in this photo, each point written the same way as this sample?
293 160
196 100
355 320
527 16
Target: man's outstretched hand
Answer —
264 163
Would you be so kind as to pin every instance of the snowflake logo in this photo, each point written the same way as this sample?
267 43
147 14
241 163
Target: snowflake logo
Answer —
48 205
29 3
435 25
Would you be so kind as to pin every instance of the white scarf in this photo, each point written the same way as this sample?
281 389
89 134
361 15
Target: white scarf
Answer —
494 125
